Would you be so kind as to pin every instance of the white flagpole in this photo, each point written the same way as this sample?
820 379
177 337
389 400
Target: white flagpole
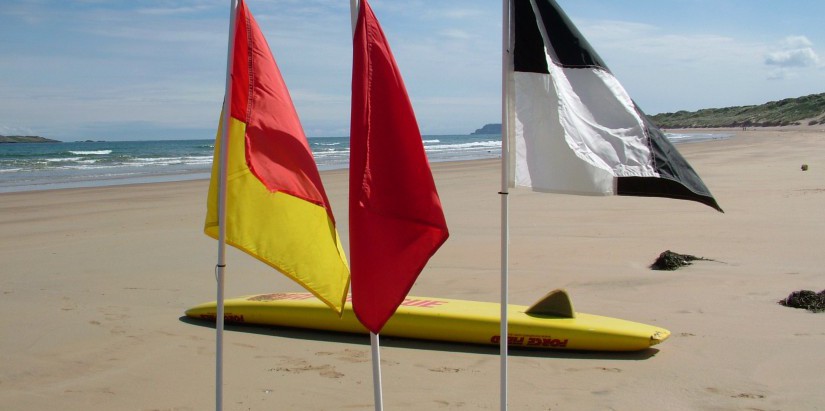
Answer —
223 160
376 372
505 183
375 345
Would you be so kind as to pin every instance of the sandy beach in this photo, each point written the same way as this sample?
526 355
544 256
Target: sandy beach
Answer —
95 282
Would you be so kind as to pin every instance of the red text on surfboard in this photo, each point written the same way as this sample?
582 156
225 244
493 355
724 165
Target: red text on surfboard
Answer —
528 341
412 302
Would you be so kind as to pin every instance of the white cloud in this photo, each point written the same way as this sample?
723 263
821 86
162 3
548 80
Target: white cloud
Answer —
796 42
793 58
797 51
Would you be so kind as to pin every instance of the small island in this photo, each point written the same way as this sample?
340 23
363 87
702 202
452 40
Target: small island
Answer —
26 139
494 128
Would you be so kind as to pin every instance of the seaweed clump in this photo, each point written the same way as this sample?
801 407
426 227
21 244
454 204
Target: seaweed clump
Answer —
669 261
807 299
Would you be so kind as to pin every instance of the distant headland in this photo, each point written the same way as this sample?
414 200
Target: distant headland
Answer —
494 128
26 139
799 111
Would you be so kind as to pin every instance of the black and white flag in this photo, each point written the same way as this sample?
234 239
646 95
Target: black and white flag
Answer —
574 128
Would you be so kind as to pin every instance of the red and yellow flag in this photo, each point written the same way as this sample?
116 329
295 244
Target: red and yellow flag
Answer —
276 208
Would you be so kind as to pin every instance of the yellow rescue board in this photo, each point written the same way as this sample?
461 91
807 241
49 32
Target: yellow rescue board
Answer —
442 319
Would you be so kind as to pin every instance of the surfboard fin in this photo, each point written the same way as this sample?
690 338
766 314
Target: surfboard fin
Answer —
556 303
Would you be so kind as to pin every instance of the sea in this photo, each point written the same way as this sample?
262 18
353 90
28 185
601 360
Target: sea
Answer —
46 166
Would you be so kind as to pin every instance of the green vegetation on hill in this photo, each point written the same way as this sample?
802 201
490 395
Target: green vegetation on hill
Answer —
807 110
26 139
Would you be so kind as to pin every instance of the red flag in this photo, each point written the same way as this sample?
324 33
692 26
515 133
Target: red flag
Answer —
396 220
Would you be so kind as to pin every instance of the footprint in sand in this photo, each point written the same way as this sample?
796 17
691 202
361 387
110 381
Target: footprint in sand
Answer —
301 366
735 395
446 369
353 356
748 395
447 404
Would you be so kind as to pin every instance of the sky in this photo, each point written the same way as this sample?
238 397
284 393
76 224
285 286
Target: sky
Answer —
154 69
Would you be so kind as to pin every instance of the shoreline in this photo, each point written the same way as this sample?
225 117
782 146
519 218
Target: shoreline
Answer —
166 175
95 282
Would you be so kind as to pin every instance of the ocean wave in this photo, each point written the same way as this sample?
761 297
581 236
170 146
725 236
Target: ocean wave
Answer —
695 137
168 161
95 167
331 153
92 153
62 159
462 146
